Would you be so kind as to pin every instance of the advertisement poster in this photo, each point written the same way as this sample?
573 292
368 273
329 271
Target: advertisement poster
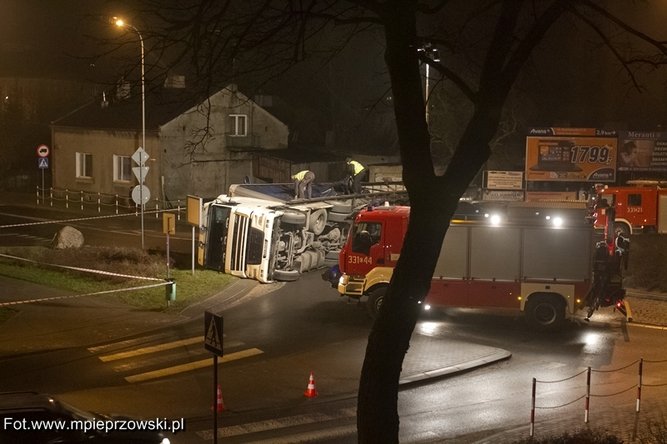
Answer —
504 180
642 151
571 155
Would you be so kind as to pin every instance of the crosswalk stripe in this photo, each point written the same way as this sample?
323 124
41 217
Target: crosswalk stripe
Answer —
128 342
155 360
151 349
168 371
280 423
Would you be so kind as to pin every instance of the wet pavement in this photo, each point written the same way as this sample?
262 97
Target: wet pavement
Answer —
646 310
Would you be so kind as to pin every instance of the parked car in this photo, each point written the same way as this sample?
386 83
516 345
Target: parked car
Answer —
38 418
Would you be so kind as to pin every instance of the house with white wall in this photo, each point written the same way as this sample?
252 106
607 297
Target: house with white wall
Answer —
196 145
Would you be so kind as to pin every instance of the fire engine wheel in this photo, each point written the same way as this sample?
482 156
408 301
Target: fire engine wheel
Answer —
375 300
545 312
623 228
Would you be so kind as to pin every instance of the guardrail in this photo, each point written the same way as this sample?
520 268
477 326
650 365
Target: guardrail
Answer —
588 394
99 202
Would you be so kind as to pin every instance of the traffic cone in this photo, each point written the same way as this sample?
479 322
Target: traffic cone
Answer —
311 392
219 405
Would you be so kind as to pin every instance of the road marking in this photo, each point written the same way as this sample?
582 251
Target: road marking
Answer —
151 349
168 371
128 342
160 359
286 422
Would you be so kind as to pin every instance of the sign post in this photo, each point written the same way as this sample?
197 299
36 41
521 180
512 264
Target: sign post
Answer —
168 227
43 164
194 207
141 194
213 325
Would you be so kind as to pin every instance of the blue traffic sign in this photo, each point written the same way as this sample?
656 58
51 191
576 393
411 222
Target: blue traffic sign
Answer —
43 163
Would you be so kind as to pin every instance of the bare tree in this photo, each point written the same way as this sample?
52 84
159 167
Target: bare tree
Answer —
485 45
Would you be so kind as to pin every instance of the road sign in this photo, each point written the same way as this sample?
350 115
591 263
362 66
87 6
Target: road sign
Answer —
140 156
140 173
213 333
43 163
42 151
141 192
168 223
194 206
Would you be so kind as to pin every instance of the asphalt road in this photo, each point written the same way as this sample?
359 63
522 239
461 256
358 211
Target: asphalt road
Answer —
101 356
287 333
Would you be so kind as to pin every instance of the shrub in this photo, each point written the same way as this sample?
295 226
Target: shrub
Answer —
647 262
579 437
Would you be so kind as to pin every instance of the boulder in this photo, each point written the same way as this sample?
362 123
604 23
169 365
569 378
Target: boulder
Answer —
67 237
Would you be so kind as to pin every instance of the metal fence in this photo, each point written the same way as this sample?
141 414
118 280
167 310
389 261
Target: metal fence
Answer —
98 202
586 392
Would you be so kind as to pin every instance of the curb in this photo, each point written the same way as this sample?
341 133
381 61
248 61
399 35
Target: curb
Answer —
498 355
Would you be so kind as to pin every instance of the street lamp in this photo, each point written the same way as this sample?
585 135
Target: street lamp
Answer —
432 54
123 24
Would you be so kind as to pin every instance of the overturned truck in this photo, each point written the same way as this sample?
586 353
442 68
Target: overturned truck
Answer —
260 232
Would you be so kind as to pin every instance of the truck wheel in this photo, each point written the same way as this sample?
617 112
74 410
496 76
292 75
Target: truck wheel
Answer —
318 221
545 312
341 207
286 275
293 217
375 300
623 228
340 217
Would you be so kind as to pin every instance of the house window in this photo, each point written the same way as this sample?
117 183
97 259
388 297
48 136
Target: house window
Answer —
238 125
84 165
122 168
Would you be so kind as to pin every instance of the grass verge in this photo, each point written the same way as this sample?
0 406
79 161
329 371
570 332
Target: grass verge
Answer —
42 268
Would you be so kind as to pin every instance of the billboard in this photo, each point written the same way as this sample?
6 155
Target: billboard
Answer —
642 151
571 155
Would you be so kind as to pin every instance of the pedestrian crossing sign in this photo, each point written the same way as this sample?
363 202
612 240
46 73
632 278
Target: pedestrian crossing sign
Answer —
213 333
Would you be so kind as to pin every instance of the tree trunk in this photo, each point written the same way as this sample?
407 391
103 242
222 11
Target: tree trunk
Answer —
433 201
377 418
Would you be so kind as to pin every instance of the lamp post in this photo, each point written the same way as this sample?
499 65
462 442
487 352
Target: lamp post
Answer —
431 54
122 24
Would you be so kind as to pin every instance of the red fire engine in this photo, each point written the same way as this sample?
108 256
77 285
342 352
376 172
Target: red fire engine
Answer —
551 264
639 206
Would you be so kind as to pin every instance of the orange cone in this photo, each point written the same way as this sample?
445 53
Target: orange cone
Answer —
220 406
311 392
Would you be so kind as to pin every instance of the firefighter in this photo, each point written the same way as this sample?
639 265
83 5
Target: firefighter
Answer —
356 172
303 184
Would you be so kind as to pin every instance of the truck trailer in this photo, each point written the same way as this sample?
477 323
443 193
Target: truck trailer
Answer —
544 262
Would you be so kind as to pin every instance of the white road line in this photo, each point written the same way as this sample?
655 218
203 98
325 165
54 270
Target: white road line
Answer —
168 371
285 422
128 342
151 349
